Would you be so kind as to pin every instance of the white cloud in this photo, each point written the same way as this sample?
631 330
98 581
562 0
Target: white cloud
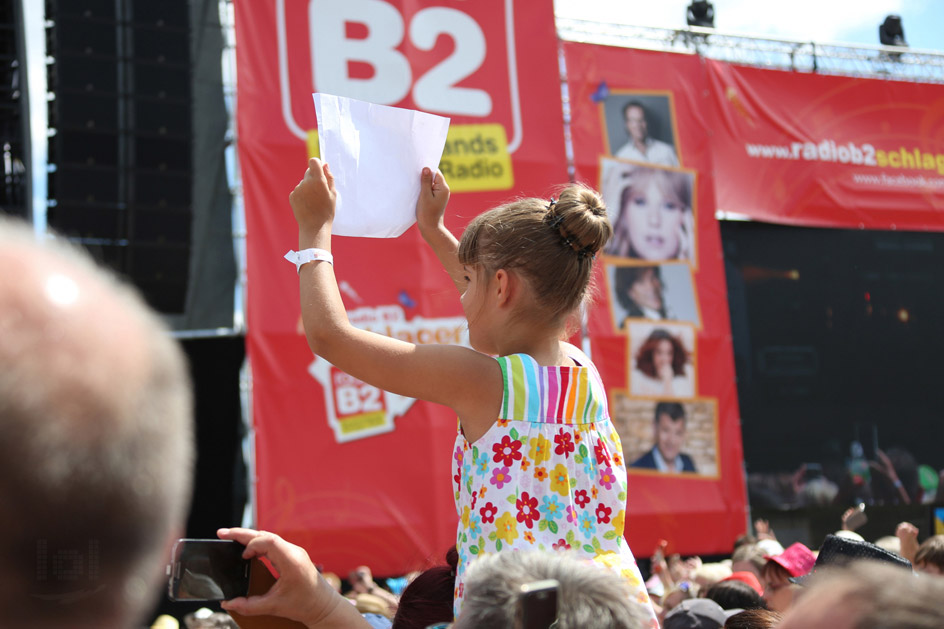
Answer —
807 20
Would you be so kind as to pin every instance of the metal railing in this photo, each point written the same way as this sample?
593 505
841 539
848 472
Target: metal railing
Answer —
877 62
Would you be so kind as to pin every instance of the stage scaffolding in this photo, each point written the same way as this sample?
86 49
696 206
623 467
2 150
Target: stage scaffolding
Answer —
874 62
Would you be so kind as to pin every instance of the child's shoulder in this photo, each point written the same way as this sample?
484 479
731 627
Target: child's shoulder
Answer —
576 353
570 350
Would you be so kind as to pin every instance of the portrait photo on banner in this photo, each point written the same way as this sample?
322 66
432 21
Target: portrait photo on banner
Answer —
661 359
652 209
640 126
667 436
659 292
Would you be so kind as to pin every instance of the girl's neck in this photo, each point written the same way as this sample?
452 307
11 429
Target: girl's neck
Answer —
521 328
546 348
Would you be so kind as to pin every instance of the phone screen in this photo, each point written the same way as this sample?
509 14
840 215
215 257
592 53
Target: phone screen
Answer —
208 570
537 604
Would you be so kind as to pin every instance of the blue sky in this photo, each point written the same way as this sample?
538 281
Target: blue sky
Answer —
839 21
844 21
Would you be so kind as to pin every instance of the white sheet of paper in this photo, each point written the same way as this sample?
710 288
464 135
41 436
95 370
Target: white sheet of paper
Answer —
376 154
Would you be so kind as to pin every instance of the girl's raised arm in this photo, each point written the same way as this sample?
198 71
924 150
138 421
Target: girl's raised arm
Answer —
465 380
430 209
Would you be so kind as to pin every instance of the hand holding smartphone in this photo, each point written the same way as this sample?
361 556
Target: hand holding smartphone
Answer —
208 570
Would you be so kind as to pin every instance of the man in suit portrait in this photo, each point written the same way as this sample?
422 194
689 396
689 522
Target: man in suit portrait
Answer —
666 455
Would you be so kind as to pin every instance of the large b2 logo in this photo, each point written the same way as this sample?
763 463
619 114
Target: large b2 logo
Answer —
450 58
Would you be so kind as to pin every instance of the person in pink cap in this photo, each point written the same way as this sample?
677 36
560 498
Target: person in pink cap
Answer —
795 561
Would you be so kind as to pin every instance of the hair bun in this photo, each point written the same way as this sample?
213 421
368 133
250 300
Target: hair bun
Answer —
584 217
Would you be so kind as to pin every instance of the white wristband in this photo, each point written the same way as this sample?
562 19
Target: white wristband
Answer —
308 255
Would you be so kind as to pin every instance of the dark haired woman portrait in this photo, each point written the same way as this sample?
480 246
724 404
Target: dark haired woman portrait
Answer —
662 367
639 291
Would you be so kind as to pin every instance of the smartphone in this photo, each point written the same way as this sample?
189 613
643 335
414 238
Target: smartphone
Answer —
537 604
207 570
858 518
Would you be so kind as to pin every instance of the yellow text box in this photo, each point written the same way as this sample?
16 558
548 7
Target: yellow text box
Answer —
476 158
360 423
314 150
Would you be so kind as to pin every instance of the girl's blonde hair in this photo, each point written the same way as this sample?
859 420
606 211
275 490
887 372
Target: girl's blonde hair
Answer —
552 244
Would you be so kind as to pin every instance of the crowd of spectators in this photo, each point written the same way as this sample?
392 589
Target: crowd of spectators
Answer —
846 583
122 476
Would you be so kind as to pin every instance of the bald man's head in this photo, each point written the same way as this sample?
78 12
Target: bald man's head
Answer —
97 449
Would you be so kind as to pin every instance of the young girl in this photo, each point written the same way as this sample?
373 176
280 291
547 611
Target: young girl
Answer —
538 464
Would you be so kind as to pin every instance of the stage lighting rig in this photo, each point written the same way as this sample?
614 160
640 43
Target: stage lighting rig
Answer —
701 13
891 33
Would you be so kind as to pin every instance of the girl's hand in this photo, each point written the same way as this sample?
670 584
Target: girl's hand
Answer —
431 206
314 198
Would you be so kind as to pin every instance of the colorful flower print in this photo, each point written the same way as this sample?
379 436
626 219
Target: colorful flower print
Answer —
603 514
560 481
600 451
551 508
571 514
581 498
540 449
475 526
607 477
586 525
527 509
506 527
481 464
500 477
507 452
488 513
619 523
565 444
540 474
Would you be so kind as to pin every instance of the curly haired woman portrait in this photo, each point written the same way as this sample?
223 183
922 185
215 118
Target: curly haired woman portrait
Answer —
662 367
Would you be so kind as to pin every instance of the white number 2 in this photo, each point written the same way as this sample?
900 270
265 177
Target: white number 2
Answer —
434 91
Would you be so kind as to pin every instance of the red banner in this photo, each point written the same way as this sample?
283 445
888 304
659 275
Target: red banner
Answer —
660 334
350 472
826 150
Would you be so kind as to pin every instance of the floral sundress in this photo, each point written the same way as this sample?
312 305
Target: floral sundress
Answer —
548 475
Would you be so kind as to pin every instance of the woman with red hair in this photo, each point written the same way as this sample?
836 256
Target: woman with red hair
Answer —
662 367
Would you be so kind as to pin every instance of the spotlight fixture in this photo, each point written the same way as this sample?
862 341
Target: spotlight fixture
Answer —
701 13
890 32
